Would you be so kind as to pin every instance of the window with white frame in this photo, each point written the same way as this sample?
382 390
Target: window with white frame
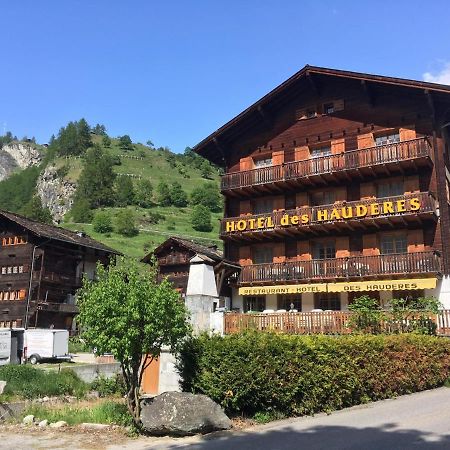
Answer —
393 243
385 139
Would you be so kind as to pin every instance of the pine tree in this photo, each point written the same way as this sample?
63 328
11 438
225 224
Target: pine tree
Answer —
106 141
96 181
36 211
81 211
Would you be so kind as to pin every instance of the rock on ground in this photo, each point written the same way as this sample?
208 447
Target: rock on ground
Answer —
28 420
58 424
182 414
43 423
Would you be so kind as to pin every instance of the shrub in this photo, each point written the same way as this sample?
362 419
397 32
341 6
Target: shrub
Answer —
295 375
78 345
367 315
109 386
126 223
207 195
102 222
28 382
81 211
201 218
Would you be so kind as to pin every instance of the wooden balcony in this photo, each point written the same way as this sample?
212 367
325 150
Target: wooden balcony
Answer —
362 267
385 160
326 322
318 220
170 260
58 307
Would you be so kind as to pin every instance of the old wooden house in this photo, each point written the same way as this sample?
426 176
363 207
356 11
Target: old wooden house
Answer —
41 268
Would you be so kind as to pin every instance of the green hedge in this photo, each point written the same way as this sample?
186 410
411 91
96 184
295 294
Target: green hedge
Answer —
296 375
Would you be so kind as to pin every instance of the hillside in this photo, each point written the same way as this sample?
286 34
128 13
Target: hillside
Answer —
141 162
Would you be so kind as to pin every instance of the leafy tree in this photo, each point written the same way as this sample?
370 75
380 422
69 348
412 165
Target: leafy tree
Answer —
96 181
128 313
126 223
106 141
163 194
36 211
124 191
177 196
81 211
201 218
143 193
102 222
125 142
207 195
206 170
150 143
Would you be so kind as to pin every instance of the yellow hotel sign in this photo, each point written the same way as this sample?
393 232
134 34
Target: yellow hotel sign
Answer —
319 215
383 285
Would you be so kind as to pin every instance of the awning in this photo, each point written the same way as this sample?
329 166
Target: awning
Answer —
379 285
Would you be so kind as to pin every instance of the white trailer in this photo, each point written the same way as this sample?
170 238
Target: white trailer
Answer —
5 346
46 344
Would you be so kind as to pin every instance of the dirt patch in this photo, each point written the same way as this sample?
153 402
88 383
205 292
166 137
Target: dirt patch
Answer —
72 438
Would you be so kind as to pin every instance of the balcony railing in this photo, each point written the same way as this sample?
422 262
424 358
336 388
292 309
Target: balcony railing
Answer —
320 215
342 162
326 322
173 260
344 268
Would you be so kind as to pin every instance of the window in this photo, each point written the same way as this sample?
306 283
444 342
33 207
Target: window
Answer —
290 201
328 108
262 255
13 295
395 243
319 152
13 240
262 206
391 138
327 301
254 304
6 270
390 188
289 302
324 250
262 162
323 198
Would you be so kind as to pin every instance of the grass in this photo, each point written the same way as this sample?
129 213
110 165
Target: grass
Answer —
176 222
156 166
106 412
29 382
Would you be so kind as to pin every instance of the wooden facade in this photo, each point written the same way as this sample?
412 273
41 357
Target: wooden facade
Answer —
173 259
41 268
336 176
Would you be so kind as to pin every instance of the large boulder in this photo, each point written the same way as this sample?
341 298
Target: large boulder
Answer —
182 414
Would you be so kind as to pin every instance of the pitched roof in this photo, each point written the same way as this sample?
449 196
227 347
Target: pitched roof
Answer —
234 125
56 233
195 247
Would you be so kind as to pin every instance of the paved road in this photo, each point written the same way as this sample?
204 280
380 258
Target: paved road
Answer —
417 421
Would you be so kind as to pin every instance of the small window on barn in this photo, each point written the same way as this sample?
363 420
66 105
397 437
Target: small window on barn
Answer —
328 108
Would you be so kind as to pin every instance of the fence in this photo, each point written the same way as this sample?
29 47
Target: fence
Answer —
327 322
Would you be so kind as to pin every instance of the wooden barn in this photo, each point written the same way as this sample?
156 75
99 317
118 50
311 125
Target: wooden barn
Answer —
41 268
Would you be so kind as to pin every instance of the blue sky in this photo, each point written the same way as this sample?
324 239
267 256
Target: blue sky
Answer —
174 71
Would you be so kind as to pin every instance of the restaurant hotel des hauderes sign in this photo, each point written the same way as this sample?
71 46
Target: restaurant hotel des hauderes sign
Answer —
315 215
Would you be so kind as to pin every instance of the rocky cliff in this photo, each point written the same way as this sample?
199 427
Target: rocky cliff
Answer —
55 193
17 155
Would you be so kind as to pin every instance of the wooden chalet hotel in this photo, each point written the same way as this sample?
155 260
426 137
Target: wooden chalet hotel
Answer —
337 184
